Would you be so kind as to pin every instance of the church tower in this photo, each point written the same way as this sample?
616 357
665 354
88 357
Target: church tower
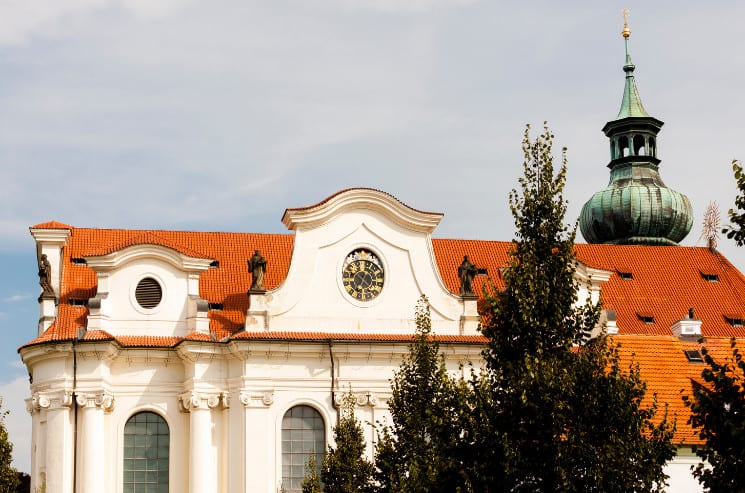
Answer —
636 207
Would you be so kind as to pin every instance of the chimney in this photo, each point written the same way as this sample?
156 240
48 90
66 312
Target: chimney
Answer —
689 326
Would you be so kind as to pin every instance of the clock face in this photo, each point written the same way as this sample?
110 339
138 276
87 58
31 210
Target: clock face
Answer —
362 275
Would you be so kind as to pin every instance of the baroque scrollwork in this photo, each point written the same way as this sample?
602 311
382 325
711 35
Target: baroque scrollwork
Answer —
192 400
104 400
362 399
49 400
257 398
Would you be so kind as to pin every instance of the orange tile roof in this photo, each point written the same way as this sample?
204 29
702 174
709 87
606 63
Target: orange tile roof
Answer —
665 282
668 373
51 225
367 337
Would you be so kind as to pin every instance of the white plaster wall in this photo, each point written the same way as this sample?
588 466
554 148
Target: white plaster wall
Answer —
263 380
313 297
126 317
679 470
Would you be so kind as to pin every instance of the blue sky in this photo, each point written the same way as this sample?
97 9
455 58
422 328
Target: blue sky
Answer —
188 114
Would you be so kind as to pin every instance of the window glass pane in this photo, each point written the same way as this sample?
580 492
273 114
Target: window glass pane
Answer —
303 435
146 439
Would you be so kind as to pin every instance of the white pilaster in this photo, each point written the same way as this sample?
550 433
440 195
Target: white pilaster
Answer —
93 450
59 447
202 450
261 455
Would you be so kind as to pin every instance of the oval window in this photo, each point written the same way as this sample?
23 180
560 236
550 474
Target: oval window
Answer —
148 293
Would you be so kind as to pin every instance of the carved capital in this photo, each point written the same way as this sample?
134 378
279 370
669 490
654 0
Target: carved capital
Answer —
257 398
102 400
49 400
360 398
193 400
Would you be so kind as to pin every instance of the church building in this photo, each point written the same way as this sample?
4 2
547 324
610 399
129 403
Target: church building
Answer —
182 361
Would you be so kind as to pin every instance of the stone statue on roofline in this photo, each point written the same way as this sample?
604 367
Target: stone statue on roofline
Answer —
466 272
45 277
257 266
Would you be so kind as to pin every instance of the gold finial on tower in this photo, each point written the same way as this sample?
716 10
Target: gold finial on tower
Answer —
626 31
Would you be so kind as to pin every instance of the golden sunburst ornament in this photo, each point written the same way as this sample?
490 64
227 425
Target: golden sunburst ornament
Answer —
710 229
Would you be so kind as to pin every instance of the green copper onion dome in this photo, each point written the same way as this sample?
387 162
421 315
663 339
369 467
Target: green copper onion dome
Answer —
636 207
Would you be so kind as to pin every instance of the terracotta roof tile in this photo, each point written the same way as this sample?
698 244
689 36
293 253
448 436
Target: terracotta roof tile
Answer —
51 225
146 238
97 335
665 282
320 336
148 341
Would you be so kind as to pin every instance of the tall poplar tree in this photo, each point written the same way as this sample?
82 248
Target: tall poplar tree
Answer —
422 449
556 415
345 468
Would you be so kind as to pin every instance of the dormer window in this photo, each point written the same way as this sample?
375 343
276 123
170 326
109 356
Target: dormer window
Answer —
626 276
710 277
735 321
148 293
694 356
647 319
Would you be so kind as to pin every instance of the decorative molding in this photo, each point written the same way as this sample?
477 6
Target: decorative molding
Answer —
362 399
257 398
113 260
104 400
193 400
305 218
49 401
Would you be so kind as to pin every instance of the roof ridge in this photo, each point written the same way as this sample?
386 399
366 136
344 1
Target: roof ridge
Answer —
147 237
51 225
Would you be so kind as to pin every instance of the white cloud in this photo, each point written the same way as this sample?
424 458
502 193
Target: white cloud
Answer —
14 298
401 6
22 20
18 421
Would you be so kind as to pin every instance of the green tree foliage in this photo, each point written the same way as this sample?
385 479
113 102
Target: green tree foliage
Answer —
718 414
8 474
736 230
345 468
312 481
423 449
554 416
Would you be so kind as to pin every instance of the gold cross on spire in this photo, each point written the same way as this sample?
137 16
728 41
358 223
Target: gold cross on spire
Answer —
626 31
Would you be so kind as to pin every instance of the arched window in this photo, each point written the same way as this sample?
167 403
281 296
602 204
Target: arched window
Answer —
146 442
303 435
639 146
623 146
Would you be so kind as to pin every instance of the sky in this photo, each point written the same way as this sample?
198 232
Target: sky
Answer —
218 115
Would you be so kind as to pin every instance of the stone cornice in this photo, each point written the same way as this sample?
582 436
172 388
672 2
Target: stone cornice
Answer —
51 236
365 199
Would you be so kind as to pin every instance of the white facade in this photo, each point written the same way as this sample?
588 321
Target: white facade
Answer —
224 400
